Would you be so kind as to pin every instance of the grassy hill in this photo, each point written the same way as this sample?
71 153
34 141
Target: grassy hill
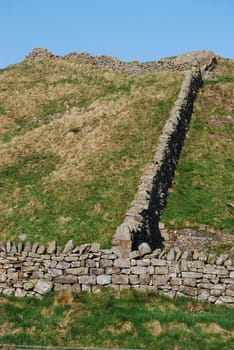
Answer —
203 186
74 143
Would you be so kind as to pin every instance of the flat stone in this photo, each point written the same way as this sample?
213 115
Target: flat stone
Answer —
171 255
120 262
67 279
120 279
221 259
103 279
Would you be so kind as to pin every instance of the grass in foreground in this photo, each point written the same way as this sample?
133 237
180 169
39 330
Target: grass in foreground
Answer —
203 189
127 319
74 177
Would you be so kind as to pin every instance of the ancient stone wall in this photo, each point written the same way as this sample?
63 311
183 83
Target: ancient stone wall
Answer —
27 270
141 221
133 261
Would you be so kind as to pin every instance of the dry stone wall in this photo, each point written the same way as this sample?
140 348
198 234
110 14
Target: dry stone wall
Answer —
27 270
141 223
133 261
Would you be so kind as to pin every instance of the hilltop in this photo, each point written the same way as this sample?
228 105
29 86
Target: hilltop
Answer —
78 131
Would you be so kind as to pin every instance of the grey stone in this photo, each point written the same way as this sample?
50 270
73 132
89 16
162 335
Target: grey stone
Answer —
221 259
67 279
144 248
95 247
120 279
120 262
43 287
69 246
103 279
20 293
52 247
171 255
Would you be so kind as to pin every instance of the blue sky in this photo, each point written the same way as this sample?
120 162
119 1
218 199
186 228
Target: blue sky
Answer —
143 30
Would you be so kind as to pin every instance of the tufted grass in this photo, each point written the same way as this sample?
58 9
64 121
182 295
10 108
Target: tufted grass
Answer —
75 141
112 319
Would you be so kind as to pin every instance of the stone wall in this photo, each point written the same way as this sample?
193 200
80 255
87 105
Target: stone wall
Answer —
206 58
133 261
27 270
141 221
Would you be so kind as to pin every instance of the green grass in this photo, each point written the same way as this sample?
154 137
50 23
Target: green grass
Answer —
203 185
113 319
34 201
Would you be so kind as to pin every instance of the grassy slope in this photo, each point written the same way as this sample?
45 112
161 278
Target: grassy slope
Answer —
203 188
112 319
74 176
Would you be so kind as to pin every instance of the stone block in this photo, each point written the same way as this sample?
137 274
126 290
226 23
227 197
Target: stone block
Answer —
144 279
191 274
20 293
96 271
51 249
122 263
161 270
106 263
87 279
120 279
138 270
160 280
134 279
144 248
63 265
103 279
78 271
66 279
191 291
158 262
43 287
192 282
69 246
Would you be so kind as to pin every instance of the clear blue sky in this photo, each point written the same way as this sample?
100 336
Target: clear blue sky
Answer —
143 30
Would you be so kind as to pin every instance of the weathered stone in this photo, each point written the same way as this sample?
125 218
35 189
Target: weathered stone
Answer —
120 279
8 291
138 270
103 279
144 248
106 263
69 246
191 291
191 275
67 279
28 285
192 282
51 247
161 270
43 287
20 293
158 262
221 259
160 280
41 250
171 255
95 247
120 262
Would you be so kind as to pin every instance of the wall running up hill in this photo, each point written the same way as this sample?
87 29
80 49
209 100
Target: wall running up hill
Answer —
33 270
